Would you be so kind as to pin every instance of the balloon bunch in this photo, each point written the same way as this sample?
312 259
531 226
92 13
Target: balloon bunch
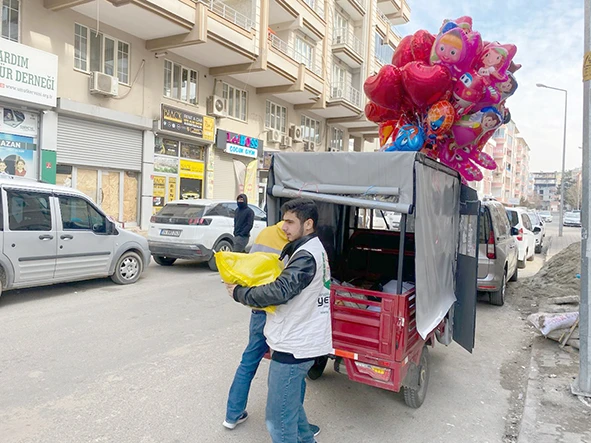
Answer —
444 95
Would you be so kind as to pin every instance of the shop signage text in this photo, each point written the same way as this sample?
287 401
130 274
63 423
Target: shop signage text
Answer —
242 140
238 144
27 73
183 122
241 150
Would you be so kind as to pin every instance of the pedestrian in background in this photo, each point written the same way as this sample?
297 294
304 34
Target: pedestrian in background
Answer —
243 223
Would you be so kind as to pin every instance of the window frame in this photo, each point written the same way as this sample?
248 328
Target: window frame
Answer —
300 56
338 143
59 198
9 196
182 69
102 62
11 10
280 115
242 95
305 120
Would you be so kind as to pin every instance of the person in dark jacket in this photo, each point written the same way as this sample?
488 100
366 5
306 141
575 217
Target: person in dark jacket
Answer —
243 222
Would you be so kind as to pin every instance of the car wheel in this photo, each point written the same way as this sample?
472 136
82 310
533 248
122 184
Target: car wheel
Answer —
531 258
128 270
415 397
497 298
515 275
164 261
539 249
317 369
222 246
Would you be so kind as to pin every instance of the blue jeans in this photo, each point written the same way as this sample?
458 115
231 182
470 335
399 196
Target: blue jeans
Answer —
286 418
251 357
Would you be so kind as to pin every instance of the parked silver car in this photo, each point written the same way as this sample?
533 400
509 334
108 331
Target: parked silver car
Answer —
497 254
539 230
51 234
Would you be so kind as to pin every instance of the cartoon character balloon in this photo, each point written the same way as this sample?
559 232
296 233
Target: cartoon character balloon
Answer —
494 60
468 91
409 138
472 128
440 119
455 46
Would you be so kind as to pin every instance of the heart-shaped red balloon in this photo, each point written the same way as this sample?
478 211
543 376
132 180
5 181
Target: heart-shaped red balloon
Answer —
385 88
421 45
403 53
379 114
426 84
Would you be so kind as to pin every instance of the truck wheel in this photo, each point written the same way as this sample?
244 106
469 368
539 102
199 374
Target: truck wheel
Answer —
224 245
497 298
515 275
164 261
128 270
317 368
415 397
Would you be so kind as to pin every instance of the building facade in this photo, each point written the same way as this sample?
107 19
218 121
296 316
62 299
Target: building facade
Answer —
546 190
148 101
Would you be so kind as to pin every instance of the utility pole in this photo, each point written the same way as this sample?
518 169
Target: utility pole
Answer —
582 386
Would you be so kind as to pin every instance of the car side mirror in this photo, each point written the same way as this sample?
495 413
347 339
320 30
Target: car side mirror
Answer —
514 231
264 219
537 229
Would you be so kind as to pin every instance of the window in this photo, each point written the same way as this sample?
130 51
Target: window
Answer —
259 214
180 83
304 53
336 138
276 117
28 211
310 129
10 19
499 133
384 52
237 99
78 214
96 52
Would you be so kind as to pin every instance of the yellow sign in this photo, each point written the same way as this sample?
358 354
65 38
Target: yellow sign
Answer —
192 169
587 67
251 188
171 188
159 184
208 128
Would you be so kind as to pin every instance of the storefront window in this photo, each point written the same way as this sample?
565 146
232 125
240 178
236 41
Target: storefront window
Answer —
194 152
165 146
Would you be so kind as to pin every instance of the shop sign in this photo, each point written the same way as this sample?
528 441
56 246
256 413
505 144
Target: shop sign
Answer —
17 158
192 169
19 122
183 122
28 74
167 165
238 144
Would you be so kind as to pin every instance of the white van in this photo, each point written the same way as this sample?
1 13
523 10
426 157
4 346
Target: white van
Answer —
52 234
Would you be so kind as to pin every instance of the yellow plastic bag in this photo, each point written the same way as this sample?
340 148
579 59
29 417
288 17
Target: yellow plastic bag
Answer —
256 269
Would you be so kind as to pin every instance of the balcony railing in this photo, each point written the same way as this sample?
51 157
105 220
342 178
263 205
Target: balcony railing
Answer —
343 36
289 50
317 6
230 14
342 90
382 16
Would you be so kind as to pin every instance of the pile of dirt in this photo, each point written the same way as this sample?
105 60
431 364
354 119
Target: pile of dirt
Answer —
557 278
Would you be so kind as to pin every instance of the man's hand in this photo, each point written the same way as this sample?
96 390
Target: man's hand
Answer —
230 289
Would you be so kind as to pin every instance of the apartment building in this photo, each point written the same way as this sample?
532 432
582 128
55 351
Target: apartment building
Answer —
512 155
137 103
546 190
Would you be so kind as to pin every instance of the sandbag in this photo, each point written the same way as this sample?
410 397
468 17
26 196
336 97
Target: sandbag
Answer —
546 323
256 269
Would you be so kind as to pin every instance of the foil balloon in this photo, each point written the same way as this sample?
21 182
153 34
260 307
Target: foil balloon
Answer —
508 87
494 60
385 88
421 45
471 129
468 92
440 119
403 52
456 46
409 138
460 161
379 114
426 84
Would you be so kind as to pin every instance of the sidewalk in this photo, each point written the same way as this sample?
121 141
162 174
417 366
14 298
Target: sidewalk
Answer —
552 414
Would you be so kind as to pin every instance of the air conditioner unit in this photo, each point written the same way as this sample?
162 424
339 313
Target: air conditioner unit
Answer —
339 39
286 141
337 93
103 84
274 136
309 146
217 106
295 132
331 149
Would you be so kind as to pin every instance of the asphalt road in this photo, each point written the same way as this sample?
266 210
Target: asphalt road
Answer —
152 362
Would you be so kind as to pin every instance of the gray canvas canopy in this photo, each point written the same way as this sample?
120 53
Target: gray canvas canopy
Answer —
404 182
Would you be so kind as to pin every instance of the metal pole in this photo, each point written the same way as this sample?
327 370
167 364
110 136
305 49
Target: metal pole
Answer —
563 161
582 385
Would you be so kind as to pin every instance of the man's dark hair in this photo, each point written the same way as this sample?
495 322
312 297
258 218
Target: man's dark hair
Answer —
303 208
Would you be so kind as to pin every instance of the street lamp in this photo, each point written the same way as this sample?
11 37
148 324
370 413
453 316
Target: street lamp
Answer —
561 218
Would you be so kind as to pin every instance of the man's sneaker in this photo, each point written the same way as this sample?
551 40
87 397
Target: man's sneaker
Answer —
315 429
241 419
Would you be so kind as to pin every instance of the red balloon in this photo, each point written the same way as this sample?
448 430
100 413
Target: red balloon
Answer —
379 114
426 84
385 88
403 53
421 45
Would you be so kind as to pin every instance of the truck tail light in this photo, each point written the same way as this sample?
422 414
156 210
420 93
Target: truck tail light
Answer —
490 246
520 236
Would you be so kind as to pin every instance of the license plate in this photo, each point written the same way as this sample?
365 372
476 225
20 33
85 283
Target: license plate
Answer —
170 232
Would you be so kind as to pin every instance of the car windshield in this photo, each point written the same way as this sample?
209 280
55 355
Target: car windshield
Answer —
534 218
513 218
573 215
179 213
545 213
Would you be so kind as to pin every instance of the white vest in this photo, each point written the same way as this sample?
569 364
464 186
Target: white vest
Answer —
302 326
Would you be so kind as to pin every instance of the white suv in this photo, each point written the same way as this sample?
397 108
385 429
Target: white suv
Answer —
526 239
195 229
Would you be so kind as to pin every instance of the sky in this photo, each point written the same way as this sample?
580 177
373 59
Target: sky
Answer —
549 39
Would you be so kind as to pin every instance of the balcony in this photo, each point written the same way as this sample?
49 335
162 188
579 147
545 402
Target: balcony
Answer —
230 14
347 47
355 8
344 91
397 11
291 52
